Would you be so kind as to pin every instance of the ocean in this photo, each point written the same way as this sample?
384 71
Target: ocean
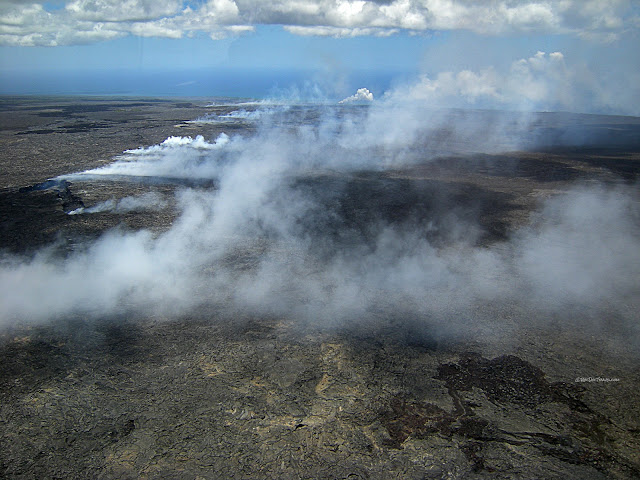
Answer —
245 83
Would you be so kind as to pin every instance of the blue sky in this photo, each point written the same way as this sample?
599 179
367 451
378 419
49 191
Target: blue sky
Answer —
571 55
266 47
273 57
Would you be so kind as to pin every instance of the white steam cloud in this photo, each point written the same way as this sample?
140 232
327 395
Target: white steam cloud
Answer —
176 157
269 238
149 201
540 82
241 115
362 95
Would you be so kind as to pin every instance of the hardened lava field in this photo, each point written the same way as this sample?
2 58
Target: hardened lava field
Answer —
466 314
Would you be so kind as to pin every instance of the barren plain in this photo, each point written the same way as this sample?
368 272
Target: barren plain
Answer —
218 393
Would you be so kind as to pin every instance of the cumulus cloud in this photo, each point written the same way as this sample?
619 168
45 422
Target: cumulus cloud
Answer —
122 10
27 25
23 23
339 32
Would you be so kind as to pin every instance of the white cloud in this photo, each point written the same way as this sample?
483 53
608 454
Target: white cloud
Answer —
26 25
160 28
339 32
240 28
32 24
122 10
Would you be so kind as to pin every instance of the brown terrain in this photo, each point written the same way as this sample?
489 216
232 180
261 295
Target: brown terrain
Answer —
215 394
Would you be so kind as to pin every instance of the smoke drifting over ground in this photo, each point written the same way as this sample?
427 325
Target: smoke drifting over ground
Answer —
148 201
292 225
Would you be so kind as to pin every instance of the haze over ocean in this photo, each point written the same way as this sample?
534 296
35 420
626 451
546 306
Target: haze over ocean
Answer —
241 83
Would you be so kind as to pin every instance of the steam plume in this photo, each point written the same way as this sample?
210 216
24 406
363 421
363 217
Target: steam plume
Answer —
270 237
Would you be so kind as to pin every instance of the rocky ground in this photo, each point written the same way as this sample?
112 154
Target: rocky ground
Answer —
230 395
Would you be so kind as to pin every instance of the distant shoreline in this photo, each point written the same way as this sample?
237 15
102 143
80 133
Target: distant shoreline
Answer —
170 98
